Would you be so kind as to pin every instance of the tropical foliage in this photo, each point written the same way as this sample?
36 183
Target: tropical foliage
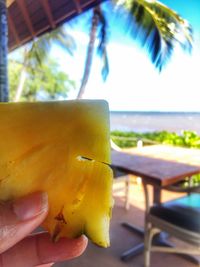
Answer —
48 83
156 27
35 54
129 139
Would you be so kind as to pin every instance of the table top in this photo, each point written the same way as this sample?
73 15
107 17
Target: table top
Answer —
159 165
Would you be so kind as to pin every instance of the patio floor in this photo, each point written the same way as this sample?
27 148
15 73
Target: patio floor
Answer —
121 239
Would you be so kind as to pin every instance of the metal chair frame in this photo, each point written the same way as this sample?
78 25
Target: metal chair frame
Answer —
154 225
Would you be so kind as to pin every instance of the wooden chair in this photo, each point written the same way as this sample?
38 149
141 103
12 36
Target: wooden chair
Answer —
120 176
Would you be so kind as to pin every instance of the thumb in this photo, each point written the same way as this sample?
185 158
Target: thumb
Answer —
19 218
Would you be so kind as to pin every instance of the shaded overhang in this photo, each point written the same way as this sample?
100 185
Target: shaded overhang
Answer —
28 19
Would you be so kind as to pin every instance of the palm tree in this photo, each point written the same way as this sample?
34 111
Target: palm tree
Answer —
158 28
98 21
3 52
50 82
37 52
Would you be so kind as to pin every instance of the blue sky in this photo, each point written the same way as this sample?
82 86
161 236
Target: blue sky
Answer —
133 83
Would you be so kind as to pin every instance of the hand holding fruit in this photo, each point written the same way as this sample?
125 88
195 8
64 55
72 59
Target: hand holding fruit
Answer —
17 248
62 148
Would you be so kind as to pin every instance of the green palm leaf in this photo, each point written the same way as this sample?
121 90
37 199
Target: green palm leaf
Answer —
158 28
37 51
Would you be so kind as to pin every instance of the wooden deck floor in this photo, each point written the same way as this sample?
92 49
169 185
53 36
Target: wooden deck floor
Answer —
121 239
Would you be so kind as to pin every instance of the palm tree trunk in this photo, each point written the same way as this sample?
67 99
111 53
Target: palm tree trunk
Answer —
23 75
90 52
3 52
21 84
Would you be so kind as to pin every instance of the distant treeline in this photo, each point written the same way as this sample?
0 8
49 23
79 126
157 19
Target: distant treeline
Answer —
129 139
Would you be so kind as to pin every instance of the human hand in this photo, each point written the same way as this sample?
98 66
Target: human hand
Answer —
18 248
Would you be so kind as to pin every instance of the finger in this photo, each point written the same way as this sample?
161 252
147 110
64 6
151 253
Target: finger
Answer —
20 218
39 249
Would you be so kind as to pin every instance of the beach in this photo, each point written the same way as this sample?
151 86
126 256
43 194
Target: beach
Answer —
155 121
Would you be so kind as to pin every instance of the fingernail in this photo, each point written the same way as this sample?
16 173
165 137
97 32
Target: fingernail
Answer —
31 205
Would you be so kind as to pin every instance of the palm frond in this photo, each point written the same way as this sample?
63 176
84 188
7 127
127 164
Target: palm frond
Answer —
158 28
63 39
37 51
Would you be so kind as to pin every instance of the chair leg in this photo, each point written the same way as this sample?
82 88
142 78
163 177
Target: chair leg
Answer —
147 244
127 191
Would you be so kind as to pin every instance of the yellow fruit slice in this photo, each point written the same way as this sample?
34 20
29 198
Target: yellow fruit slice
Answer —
60 148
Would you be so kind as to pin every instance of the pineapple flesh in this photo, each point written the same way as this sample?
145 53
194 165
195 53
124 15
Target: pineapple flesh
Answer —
62 148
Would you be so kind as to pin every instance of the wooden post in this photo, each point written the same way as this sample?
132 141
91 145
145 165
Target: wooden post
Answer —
139 145
3 52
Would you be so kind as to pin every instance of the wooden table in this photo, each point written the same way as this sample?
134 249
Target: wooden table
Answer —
160 166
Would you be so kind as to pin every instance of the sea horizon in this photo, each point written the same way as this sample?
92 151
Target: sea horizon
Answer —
155 111
150 121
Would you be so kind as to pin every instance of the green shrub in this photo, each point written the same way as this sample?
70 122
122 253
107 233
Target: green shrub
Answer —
129 139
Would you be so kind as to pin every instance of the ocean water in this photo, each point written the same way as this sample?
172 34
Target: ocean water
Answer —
155 121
